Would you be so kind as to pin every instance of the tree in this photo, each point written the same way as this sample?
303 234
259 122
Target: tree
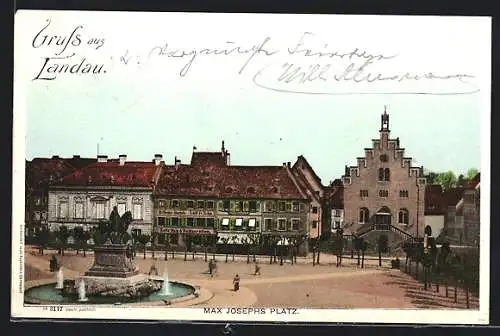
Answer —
62 236
447 179
143 240
471 173
339 246
431 177
43 238
383 245
78 235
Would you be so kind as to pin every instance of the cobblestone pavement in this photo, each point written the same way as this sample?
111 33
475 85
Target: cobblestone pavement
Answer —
298 285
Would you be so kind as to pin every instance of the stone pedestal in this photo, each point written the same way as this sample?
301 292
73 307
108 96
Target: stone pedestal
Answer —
112 261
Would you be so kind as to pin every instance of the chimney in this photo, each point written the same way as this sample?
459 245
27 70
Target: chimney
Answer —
55 157
157 159
284 164
76 156
177 162
102 158
123 159
223 149
289 164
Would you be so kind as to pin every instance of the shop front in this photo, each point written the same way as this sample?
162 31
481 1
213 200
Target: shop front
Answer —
238 242
192 239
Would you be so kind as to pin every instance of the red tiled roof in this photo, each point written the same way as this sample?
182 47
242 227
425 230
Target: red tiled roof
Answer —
44 171
227 181
209 158
434 200
452 196
303 160
111 173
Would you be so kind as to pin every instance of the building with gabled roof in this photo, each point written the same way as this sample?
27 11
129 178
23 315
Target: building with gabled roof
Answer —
384 191
211 203
87 195
40 174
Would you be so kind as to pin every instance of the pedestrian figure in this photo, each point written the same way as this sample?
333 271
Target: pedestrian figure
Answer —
257 269
214 267
153 268
211 268
236 283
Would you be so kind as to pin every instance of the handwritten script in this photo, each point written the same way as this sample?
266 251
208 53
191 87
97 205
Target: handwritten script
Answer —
302 67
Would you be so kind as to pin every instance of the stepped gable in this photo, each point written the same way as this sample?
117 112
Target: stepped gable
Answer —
112 173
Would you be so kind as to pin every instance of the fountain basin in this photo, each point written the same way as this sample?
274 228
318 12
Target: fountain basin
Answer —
48 294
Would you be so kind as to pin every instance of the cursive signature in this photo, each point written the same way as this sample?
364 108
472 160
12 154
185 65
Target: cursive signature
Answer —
294 78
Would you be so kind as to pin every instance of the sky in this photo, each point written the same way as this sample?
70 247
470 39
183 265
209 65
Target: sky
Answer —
146 107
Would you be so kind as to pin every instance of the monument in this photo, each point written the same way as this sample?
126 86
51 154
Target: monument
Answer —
113 272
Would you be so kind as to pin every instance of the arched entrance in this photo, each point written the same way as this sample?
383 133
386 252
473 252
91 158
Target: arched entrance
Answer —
383 218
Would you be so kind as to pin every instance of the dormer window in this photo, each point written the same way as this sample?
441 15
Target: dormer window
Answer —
251 190
89 179
384 174
112 179
229 189
275 190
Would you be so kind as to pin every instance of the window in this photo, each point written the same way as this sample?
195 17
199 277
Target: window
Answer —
314 210
210 222
190 222
190 204
302 207
122 208
137 211
175 221
136 232
314 224
238 206
79 210
383 158
269 206
336 225
225 221
63 210
245 206
383 193
430 205
38 201
403 217
210 204
175 204
239 221
403 193
36 216
168 221
268 224
281 224
161 221
295 224
161 203
281 206
200 222
295 206
364 216
201 205
252 206
384 174
251 223
288 207
98 209
363 193
225 205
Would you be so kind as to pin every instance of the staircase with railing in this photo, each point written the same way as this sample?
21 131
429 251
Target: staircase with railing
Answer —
365 229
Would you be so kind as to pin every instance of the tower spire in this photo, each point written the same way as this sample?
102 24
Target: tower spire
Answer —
384 124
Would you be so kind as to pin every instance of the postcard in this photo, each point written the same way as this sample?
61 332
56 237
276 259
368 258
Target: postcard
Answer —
251 167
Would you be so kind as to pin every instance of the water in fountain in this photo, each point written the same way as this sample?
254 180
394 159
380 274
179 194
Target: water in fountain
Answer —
165 287
81 292
60 279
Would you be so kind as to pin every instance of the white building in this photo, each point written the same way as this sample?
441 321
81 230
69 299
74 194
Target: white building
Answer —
88 195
